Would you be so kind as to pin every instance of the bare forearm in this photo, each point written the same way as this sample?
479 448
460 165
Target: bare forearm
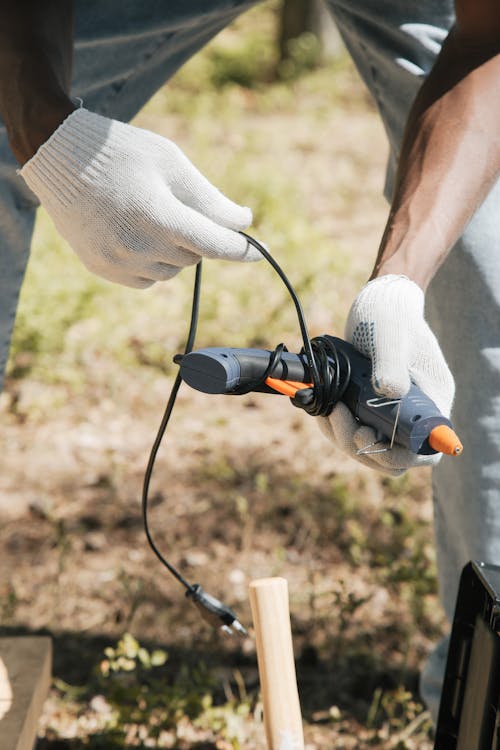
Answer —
450 158
36 41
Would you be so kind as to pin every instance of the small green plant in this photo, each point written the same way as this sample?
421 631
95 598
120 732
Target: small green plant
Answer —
9 601
146 698
248 65
397 718
139 699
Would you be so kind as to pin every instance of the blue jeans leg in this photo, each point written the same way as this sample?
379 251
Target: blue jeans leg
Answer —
17 217
125 53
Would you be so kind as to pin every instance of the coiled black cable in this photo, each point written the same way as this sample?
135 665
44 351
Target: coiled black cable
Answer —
330 376
330 370
335 371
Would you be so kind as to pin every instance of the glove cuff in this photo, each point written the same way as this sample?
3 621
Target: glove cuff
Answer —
394 290
390 278
70 160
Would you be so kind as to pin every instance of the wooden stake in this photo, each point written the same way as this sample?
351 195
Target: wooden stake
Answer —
278 682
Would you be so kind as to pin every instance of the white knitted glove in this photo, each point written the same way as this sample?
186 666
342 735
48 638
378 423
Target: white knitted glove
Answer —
130 203
386 323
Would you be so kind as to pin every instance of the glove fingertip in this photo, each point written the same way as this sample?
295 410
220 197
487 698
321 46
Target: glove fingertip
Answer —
227 213
240 218
241 250
391 383
220 209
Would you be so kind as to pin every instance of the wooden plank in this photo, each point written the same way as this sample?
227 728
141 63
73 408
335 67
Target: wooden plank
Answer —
25 673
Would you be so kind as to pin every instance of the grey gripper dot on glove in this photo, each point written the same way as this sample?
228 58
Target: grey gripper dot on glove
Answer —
386 323
130 203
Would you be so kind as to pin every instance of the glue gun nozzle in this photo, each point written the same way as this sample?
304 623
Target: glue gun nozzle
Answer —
444 440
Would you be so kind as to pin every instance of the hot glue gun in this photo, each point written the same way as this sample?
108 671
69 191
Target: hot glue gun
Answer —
341 374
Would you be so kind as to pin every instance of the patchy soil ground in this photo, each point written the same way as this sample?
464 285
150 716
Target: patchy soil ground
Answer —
243 488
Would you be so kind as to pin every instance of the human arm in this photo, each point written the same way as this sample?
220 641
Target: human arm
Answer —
36 45
450 159
450 156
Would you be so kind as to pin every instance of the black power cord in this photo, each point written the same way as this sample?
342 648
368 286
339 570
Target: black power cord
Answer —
328 388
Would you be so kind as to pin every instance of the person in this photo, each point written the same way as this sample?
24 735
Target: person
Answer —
136 210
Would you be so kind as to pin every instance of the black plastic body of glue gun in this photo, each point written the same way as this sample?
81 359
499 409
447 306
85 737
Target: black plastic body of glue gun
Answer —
414 421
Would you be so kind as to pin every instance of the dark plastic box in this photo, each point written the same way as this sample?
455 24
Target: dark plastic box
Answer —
469 714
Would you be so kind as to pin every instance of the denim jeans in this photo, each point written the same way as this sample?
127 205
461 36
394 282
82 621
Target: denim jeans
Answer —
125 52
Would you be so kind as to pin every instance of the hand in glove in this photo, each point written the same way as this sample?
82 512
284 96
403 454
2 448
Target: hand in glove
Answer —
130 203
386 323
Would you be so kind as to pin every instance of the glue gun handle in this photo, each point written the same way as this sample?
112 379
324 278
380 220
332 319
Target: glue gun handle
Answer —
415 415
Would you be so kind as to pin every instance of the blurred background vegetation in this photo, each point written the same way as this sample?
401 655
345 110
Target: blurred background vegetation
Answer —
276 117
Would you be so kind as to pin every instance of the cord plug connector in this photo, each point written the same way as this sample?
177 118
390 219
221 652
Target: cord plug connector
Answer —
214 611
